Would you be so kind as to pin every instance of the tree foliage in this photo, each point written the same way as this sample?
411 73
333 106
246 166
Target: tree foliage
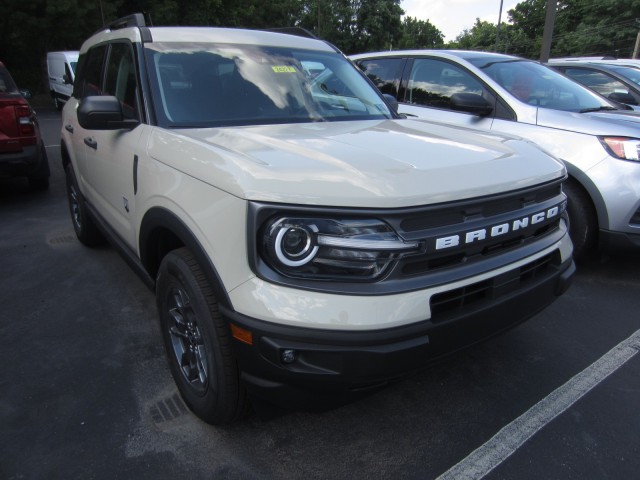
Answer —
30 28
482 36
420 34
582 28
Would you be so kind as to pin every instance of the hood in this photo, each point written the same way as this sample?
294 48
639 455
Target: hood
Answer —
625 123
389 163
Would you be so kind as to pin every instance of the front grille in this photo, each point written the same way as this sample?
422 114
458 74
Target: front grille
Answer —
429 262
484 208
477 215
461 300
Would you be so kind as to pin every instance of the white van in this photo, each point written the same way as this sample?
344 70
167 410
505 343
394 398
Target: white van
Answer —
61 68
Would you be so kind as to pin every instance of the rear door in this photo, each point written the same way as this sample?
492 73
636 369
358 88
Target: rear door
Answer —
90 83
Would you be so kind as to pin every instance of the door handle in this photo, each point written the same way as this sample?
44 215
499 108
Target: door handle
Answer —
69 128
90 142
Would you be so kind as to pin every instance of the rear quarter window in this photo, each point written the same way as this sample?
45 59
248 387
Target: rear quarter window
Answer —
384 73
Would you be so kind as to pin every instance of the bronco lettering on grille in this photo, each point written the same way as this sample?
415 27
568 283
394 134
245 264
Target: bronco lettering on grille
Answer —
518 224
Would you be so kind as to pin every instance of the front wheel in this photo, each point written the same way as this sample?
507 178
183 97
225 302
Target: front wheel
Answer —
197 341
583 223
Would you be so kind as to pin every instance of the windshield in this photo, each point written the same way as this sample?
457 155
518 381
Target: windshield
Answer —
200 85
629 73
6 82
538 85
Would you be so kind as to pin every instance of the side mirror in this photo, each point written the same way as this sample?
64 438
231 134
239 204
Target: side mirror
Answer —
66 79
391 101
103 113
621 97
471 103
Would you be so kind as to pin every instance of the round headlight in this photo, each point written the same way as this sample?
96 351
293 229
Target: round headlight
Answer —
294 246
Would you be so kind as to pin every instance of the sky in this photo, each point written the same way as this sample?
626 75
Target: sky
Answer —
451 17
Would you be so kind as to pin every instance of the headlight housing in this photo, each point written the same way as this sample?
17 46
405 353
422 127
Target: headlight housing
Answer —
332 249
624 148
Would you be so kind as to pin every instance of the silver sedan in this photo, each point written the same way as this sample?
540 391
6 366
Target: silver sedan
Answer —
598 141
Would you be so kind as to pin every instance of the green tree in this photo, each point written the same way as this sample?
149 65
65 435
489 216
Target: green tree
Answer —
482 36
605 27
354 25
331 20
420 34
31 28
378 25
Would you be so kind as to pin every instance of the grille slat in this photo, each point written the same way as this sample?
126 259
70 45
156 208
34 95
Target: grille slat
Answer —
454 302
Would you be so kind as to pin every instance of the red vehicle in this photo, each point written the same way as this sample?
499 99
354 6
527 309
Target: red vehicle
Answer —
22 152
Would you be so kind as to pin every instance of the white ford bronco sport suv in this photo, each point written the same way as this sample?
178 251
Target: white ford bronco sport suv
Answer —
305 243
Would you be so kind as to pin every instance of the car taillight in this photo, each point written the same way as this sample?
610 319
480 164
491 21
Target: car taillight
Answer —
25 122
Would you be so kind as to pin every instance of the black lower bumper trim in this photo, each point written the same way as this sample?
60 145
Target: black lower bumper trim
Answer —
310 369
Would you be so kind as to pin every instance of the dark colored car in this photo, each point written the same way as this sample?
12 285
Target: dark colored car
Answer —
22 152
620 83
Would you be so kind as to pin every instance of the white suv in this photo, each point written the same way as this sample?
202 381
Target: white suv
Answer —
305 244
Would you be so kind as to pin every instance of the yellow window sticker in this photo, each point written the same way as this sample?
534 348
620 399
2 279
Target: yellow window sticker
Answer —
283 69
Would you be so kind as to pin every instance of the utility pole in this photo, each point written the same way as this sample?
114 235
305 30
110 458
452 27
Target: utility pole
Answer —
498 27
549 23
636 49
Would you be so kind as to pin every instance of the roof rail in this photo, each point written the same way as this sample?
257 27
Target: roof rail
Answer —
297 31
133 20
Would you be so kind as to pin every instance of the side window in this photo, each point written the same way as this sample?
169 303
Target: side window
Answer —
91 81
433 82
598 81
121 79
384 73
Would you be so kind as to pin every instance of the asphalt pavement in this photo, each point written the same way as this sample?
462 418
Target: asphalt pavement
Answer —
87 394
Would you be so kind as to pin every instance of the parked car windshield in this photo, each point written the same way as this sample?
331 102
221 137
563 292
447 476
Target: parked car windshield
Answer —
200 85
538 85
629 73
6 82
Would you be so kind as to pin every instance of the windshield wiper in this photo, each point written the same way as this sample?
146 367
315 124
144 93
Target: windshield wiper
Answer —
598 109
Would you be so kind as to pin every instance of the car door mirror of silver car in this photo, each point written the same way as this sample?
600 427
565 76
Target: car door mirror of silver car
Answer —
622 97
103 113
471 103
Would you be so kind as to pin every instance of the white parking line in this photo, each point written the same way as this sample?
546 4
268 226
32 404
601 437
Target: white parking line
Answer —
504 443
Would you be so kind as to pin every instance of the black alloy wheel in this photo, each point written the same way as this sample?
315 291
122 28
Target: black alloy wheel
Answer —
198 341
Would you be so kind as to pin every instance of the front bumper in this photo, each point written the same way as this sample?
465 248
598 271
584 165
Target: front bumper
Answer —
310 368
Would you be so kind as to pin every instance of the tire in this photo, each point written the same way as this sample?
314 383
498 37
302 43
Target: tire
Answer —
58 103
40 179
84 226
197 341
583 224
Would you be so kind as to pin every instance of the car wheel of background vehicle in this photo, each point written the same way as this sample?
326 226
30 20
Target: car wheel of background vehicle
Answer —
197 341
40 179
583 224
58 103
85 228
